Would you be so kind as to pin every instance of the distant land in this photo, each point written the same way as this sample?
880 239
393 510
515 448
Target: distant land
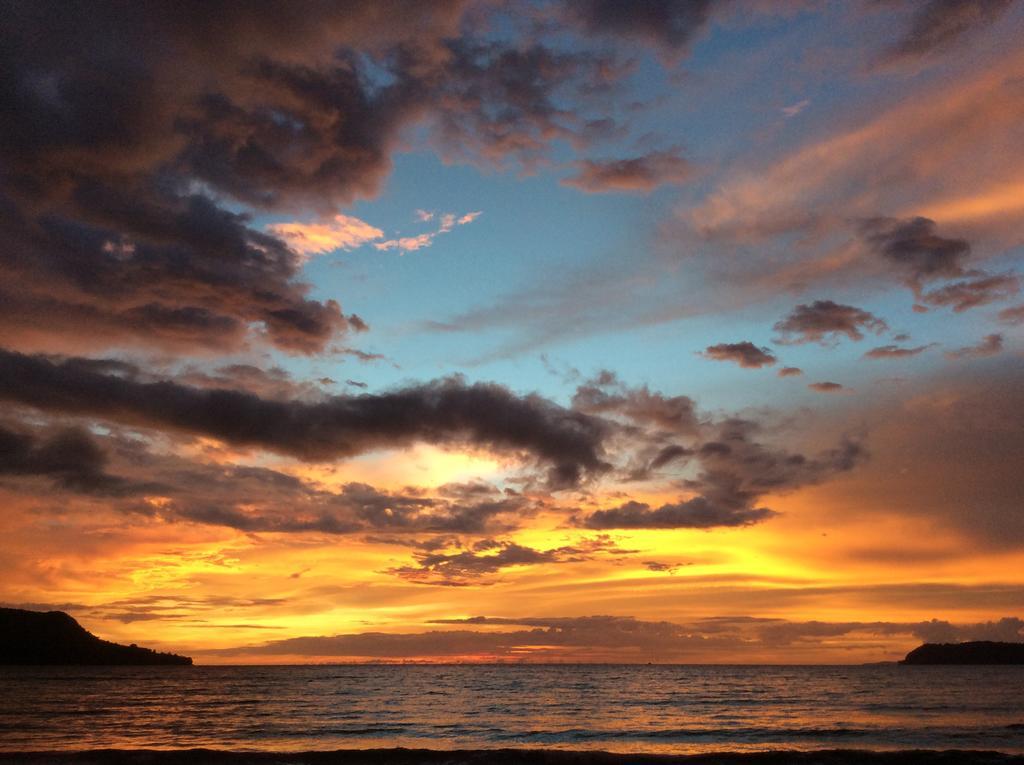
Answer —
977 652
54 637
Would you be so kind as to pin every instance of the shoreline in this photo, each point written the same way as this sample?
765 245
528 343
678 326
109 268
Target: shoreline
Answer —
511 756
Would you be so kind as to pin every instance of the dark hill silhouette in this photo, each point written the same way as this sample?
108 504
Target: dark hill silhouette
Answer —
977 652
53 637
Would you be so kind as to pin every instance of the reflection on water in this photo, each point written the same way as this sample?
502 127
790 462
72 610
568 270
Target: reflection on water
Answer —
617 708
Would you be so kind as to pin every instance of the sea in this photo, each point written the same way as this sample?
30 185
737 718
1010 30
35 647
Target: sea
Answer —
619 708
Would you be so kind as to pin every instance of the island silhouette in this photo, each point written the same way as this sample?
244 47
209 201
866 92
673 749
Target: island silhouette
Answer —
975 652
54 637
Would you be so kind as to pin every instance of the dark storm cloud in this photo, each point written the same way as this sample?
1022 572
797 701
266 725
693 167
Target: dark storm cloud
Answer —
122 127
111 114
971 293
70 458
641 174
736 470
824 320
990 345
129 264
254 100
746 354
913 247
938 24
443 411
896 351
669 25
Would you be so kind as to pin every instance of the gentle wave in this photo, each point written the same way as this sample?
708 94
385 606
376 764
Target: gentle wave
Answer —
635 709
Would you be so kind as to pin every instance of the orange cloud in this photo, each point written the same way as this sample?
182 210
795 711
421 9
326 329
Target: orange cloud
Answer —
343 232
948 153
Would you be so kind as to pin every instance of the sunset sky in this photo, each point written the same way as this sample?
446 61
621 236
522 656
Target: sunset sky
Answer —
520 331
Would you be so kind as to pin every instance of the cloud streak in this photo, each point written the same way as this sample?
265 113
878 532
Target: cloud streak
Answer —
624 638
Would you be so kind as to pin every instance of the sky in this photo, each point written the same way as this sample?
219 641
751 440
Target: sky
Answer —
515 331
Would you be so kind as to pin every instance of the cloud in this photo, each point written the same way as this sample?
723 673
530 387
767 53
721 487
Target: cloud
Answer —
990 345
117 152
70 458
896 352
669 454
824 320
790 372
972 293
641 174
194 276
735 471
939 24
259 500
342 232
444 411
407 243
794 109
274 382
174 489
826 387
668 25
509 101
489 556
746 354
605 395
364 356
624 638
1014 315
130 171
913 247
697 513
420 241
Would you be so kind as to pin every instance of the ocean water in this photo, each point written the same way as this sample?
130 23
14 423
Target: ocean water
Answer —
676 709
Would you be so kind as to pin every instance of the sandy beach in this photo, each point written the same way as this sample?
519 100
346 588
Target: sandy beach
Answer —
503 757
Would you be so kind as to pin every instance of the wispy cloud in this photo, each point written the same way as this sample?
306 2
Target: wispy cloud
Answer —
447 222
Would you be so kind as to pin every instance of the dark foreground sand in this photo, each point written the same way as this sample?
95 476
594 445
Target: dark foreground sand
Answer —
500 757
